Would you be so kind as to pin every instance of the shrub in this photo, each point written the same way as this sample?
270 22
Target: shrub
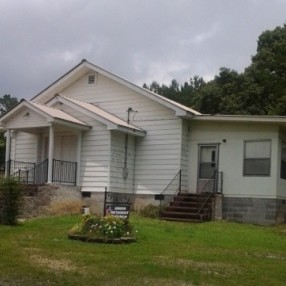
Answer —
10 200
150 211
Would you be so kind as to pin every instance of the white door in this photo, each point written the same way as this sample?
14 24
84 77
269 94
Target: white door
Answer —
65 148
207 166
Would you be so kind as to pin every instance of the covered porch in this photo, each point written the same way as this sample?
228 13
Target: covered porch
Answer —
43 145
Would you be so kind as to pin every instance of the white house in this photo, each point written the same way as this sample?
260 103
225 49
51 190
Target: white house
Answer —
98 131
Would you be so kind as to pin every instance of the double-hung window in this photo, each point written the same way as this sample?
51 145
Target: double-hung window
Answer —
283 161
257 158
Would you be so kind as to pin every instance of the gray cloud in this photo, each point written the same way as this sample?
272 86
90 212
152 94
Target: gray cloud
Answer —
138 40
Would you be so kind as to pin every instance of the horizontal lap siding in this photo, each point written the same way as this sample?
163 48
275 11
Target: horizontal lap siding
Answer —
158 154
95 158
117 182
94 153
160 147
184 156
25 147
20 120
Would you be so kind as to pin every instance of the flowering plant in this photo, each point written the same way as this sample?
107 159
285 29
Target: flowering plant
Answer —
108 227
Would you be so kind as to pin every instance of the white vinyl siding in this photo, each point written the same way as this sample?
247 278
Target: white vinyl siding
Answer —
119 180
95 150
25 119
158 154
184 156
25 147
231 137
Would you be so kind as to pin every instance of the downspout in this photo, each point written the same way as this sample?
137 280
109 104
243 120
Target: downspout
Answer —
125 170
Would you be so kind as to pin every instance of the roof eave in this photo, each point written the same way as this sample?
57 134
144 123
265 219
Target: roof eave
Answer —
70 124
241 118
124 129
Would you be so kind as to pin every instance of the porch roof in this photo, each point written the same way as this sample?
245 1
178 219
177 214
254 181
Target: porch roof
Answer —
51 115
113 122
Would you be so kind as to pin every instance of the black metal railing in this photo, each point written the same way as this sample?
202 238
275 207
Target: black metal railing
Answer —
17 169
40 172
30 173
64 172
212 186
171 190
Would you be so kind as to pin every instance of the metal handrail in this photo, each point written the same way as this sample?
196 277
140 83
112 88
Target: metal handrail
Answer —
215 180
178 177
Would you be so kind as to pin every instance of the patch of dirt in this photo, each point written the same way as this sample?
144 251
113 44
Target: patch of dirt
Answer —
216 268
53 264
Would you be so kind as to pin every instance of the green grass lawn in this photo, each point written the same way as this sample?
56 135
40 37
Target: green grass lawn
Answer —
216 253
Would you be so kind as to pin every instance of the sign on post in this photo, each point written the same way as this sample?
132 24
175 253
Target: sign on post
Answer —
117 204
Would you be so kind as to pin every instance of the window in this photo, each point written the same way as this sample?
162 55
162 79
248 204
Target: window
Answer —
207 161
257 155
283 161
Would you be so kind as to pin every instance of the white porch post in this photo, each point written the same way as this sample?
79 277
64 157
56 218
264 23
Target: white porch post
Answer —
79 139
51 153
8 150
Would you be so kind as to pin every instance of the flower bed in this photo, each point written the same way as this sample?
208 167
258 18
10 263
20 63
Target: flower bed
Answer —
108 229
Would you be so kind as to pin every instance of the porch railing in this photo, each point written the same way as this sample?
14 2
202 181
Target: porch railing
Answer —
171 190
17 169
64 172
30 173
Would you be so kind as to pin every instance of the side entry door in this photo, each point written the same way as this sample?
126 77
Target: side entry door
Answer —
207 165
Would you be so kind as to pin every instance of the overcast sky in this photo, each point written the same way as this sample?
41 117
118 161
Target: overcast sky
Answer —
139 40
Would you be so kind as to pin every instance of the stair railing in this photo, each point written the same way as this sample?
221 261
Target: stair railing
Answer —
39 174
171 190
214 184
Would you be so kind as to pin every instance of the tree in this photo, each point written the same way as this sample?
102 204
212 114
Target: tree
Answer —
268 70
259 90
6 103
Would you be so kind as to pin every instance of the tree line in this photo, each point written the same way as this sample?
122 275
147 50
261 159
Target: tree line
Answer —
259 90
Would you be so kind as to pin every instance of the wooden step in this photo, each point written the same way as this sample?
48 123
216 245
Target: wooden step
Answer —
189 208
186 209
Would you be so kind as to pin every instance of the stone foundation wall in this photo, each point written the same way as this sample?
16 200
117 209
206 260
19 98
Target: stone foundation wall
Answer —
254 210
50 199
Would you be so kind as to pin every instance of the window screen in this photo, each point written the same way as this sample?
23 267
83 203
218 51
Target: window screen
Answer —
257 156
283 161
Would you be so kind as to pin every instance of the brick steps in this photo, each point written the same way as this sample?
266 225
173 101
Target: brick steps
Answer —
189 208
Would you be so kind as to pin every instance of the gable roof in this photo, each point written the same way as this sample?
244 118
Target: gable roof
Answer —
113 122
85 67
51 114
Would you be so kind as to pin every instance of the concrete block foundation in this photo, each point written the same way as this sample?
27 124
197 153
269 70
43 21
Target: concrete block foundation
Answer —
261 211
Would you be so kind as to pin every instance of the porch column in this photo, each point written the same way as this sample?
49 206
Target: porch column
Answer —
51 154
79 139
8 149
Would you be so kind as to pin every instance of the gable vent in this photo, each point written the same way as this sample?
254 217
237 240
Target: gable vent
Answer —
91 79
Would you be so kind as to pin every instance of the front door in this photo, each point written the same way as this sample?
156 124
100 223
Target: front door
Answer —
207 166
65 148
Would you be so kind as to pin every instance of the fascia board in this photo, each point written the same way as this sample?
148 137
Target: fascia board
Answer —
18 108
127 130
82 110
